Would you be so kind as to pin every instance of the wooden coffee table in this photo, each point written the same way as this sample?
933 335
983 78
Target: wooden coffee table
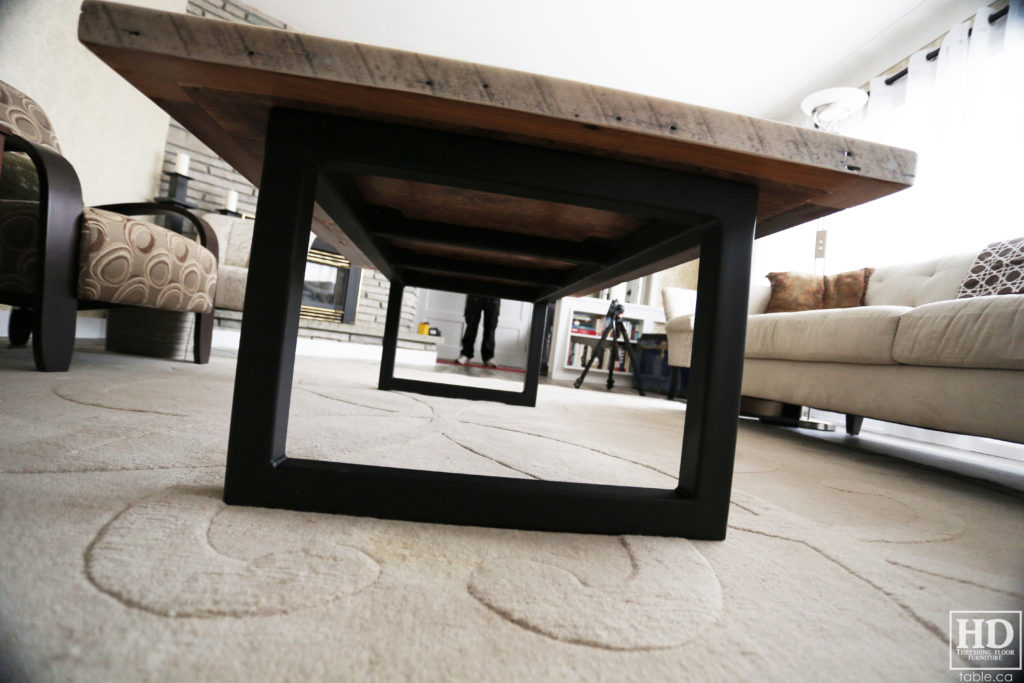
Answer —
474 179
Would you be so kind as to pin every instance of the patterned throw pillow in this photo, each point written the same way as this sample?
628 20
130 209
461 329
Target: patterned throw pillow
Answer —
794 291
998 269
845 290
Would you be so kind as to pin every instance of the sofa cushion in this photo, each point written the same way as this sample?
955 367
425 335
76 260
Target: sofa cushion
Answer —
979 332
794 291
863 334
915 284
998 269
123 260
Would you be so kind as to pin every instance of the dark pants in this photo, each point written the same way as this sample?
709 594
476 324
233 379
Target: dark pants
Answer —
475 305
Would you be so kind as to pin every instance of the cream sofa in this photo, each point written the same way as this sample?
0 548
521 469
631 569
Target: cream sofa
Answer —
912 354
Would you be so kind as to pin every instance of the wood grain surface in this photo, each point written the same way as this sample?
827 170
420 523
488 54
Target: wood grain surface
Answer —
220 79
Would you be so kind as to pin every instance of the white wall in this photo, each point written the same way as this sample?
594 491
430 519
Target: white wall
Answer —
112 134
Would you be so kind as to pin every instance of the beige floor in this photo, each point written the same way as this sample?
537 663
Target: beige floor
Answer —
118 561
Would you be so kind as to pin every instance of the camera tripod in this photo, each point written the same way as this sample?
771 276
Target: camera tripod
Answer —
613 325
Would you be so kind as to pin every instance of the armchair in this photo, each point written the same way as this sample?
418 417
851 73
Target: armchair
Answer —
56 257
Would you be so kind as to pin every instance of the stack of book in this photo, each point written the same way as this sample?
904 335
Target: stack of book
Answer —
583 325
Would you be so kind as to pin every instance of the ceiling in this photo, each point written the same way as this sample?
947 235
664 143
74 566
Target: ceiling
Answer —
748 56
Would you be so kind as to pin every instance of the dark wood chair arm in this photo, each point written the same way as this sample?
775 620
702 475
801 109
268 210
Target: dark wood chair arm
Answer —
60 206
207 237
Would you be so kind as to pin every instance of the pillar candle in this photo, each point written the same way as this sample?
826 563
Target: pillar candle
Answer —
181 164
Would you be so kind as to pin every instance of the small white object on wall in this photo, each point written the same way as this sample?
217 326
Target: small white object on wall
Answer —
181 164
232 202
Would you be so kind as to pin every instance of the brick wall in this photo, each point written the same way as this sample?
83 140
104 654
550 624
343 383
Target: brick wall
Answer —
212 178
232 11
373 301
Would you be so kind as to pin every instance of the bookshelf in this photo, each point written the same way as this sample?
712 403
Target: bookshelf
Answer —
577 330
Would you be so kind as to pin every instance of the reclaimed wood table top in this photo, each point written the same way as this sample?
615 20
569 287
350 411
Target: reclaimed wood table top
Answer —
220 80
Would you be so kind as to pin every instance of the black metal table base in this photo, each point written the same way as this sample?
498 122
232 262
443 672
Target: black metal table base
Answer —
308 156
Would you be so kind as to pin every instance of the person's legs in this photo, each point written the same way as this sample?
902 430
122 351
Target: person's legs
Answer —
474 305
491 309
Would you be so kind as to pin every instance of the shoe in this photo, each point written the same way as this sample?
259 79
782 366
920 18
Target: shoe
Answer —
462 360
490 364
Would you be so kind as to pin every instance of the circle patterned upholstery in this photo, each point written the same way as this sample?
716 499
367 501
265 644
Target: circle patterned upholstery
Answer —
20 115
123 260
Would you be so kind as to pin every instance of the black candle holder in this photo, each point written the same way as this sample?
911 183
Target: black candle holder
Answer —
177 194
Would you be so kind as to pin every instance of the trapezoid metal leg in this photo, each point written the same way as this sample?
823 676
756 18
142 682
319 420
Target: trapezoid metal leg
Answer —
716 367
258 471
388 381
270 322
389 343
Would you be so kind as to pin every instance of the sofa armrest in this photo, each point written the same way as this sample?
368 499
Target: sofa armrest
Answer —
681 304
759 296
678 302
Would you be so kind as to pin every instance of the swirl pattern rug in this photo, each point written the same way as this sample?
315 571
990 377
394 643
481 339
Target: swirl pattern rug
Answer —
119 561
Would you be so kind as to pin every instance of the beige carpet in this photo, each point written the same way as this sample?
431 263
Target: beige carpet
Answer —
119 562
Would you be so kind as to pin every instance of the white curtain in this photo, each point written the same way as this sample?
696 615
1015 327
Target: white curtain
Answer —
963 113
